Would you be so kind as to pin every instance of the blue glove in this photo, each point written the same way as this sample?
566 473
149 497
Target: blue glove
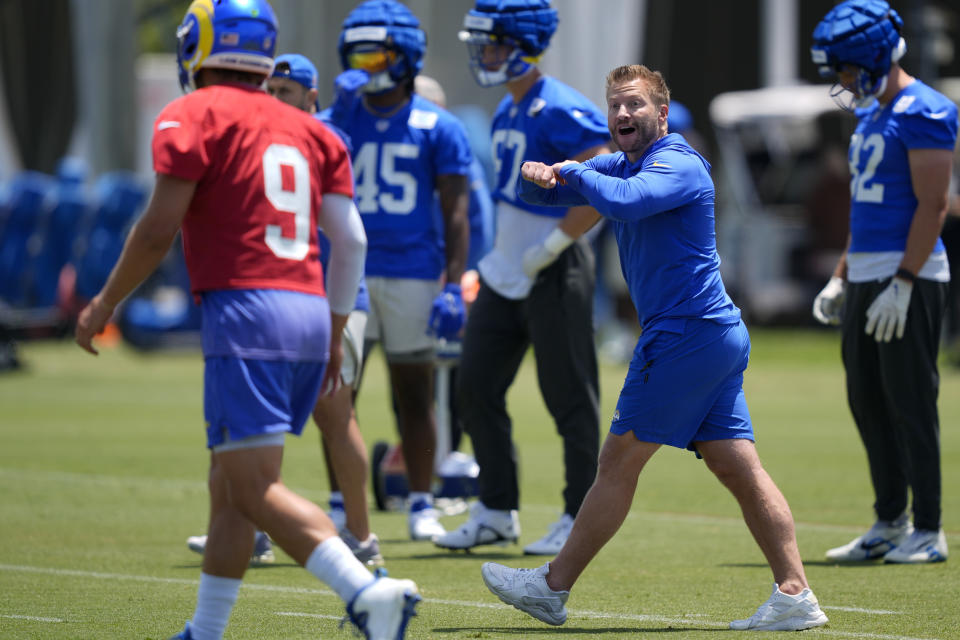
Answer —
448 312
346 89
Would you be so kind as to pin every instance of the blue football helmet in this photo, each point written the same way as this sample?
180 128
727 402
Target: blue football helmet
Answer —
226 34
383 38
523 29
864 34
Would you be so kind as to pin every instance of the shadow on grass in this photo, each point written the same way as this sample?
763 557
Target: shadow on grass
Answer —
469 555
806 563
253 567
492 632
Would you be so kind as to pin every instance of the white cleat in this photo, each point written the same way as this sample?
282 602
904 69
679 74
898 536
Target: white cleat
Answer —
550 544
382 609
425 524
484 526
527 590
882 538
920 548
783 612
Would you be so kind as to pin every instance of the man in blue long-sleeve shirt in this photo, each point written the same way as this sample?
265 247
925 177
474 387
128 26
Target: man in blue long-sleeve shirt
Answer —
684 387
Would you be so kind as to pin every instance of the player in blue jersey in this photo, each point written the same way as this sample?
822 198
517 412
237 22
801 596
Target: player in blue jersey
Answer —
536 283
684 387
889 288
294 81
405 150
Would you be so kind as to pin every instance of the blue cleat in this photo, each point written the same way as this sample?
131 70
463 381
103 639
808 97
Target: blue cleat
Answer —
185 634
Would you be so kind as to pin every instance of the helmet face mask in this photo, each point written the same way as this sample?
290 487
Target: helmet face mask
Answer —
856 44
385 66
494 60
383 38
226 34
506 38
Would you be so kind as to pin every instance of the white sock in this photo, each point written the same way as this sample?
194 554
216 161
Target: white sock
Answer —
215 599
334 563
418 496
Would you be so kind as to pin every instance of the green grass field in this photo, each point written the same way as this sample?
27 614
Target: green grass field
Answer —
102 478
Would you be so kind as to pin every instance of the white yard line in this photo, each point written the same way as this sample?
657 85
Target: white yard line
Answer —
575 613
30 618
876 612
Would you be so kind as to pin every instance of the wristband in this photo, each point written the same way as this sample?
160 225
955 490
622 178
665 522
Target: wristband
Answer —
557 241
903 274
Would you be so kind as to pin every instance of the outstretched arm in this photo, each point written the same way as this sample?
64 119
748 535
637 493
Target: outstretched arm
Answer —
539 184
144 248
653 190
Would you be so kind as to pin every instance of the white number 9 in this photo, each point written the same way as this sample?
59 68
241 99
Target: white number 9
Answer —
296 202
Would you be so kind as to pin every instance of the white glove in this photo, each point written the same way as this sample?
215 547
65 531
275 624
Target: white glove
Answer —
828 305
540 255
889 311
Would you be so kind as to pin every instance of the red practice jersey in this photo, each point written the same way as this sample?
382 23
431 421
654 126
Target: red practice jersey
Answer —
261 168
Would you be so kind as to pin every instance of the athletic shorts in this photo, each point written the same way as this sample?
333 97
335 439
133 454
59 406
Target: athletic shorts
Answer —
683 388
400 315
246 397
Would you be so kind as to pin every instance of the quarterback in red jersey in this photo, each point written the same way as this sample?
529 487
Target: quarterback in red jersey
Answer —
273 170
248 179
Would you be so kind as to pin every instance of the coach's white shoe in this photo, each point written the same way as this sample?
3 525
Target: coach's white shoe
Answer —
883 537
484 526
527 590
921 547
550 544
783 612
382 609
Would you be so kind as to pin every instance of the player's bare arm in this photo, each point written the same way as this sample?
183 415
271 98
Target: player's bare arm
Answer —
930 175
145 247
454 192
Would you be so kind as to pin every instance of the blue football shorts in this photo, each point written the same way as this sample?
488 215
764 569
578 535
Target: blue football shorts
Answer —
246 397
683 388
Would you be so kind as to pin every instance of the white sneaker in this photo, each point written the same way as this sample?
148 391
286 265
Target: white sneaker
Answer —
382 609
921 547
197 544
527 590
882 537
484 526
550 544
262 548
424 524
783 612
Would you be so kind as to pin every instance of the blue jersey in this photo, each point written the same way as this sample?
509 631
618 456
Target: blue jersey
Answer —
881 192
661 208
552 123
395 163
